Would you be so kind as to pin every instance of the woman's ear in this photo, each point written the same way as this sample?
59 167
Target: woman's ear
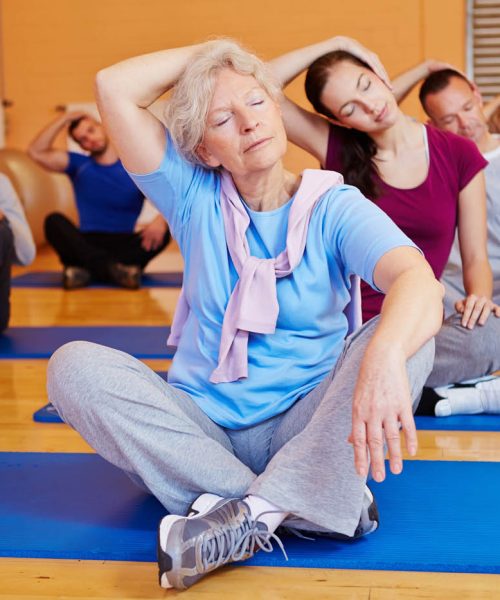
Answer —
334 121
206 157
477 94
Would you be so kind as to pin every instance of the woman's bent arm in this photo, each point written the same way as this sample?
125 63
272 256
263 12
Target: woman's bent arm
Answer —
411 314
306 129
124 92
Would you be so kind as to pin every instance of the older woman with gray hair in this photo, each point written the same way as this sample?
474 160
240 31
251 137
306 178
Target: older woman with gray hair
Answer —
270 415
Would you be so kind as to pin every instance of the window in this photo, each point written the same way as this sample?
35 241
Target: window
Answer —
483 47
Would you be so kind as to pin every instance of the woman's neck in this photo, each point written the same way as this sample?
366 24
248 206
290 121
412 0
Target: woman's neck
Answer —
268 190
403 134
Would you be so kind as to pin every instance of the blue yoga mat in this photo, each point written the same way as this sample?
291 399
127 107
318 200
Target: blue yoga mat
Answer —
436 516
41 342
49 414
459 423
53 279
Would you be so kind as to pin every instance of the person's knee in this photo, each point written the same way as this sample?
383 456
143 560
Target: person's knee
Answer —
6 239
72 371
420 366
53 222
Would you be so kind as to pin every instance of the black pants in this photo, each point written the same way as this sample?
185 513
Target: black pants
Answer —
95 251
6 257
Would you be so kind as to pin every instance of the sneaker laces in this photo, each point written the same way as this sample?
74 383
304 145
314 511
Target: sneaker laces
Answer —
234 541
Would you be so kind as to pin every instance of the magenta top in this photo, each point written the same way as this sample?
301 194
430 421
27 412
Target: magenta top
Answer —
428 212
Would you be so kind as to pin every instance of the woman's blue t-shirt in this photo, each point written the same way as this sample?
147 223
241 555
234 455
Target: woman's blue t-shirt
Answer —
347 235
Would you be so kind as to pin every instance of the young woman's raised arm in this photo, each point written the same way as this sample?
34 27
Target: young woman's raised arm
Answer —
306 129
124 92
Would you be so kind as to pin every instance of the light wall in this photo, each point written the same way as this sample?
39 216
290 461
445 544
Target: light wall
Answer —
53 48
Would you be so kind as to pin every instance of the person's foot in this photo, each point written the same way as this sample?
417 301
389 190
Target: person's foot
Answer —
125 276
75 277
368 523
220 532
469 398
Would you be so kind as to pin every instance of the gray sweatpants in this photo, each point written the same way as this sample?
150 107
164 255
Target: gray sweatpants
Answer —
463 354
300 460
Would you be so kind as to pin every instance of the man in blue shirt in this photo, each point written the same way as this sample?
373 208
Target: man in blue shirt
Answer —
104 247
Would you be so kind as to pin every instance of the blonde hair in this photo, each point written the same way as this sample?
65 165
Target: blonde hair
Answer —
187 110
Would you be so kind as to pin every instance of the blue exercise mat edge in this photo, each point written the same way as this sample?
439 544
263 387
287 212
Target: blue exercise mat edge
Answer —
53 279
78 506
41 342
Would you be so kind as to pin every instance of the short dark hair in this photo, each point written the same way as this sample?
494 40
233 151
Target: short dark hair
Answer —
74 124
438 81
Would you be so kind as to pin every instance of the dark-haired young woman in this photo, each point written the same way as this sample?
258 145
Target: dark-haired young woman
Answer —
429 182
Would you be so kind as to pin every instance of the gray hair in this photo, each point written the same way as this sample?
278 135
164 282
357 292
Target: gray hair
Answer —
187 109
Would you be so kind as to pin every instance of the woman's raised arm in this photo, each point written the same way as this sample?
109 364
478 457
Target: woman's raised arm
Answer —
124 92
307 129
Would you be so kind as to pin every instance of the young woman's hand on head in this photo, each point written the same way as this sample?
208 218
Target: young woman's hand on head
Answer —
370 58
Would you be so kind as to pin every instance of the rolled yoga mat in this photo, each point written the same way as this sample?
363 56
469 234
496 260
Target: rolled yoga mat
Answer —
435 516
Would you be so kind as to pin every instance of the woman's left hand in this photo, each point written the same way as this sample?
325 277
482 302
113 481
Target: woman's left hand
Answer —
382 401
475 310
370 58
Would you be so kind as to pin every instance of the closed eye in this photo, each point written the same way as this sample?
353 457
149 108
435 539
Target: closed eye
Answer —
348 110
222 121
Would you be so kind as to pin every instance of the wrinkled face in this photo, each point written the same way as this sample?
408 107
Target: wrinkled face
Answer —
244 131
91 136
358 98
457 108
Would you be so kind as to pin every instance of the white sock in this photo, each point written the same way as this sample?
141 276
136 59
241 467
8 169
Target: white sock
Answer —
265 512
458 401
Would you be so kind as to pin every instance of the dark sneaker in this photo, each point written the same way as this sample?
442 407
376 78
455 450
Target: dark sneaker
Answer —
368 523
125 276
75 277
190 547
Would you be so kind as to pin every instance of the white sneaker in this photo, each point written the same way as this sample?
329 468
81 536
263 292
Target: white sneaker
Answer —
471 397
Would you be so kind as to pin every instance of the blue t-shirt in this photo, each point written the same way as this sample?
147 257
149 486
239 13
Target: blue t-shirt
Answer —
106 198
347 235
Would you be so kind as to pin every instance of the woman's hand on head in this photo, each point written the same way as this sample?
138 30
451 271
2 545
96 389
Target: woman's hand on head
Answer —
370 58
475 310
381 404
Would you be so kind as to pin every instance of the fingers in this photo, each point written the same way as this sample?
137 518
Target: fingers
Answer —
371 59
379 69
410 431
392 437
375 440
485 313
368 443
496 310
468 306
476 311
358 440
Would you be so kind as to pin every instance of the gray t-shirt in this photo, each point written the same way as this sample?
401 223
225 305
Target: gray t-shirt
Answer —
452 275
